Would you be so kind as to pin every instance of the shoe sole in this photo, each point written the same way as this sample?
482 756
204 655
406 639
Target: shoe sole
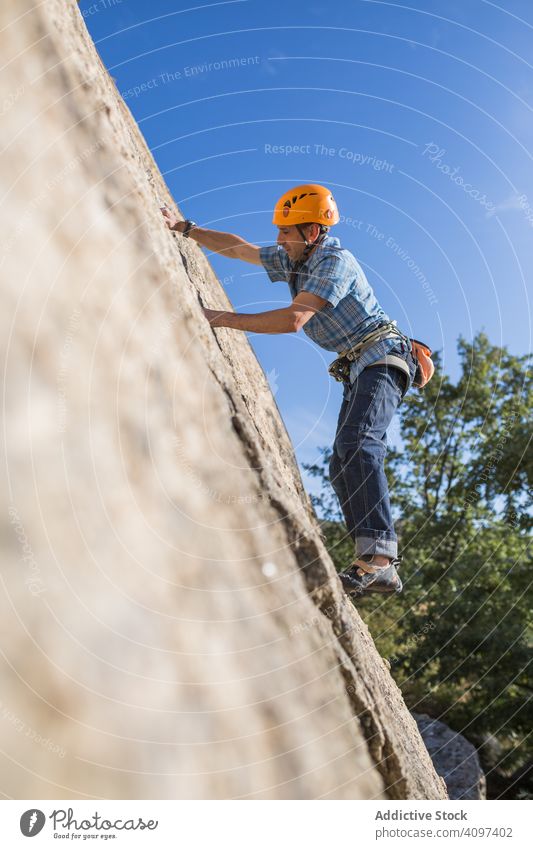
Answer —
377 591
373 589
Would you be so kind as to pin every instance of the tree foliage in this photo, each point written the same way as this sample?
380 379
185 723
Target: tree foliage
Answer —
459 637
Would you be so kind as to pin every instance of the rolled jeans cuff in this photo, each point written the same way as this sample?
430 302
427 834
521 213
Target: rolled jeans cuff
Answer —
379 544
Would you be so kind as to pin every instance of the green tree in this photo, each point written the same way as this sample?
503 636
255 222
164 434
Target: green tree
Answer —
459 637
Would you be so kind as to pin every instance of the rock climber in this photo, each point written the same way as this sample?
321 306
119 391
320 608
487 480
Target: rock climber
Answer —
335 305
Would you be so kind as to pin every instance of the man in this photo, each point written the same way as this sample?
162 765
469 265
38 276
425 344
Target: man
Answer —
334 304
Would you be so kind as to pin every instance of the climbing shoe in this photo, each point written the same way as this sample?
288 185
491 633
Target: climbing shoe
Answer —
385 581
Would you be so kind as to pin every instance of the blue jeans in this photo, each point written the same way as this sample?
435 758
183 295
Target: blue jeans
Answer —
357 464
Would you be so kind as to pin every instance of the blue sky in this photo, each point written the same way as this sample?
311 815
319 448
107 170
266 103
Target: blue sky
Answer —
419 117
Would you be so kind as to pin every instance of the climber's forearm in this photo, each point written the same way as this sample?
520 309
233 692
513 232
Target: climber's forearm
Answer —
225 243
274 321
214 240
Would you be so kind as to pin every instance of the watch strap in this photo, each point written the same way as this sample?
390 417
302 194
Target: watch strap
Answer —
188 227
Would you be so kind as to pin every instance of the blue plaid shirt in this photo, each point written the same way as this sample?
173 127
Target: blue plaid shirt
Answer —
352 311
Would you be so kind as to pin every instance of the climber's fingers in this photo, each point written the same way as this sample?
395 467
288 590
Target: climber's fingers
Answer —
170 218
214 317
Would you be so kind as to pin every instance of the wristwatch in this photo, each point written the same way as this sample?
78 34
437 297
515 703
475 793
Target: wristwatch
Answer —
188 227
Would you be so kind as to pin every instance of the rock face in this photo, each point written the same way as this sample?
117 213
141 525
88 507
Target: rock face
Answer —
455 759
172 625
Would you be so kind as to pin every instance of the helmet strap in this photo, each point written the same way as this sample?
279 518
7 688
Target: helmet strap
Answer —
309 245
307 250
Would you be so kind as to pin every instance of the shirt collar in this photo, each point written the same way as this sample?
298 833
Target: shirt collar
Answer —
329 242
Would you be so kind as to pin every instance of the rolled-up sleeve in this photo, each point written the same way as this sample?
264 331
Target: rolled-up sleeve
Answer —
329 279
275 262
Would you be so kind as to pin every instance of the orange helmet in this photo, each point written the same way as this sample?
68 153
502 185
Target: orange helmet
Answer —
308 204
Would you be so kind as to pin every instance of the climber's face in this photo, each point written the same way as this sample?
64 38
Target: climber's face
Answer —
291 241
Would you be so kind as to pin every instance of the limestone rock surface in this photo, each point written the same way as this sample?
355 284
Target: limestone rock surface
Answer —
172 626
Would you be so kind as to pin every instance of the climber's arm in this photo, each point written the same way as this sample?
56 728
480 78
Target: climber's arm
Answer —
214 240
227 244
287 320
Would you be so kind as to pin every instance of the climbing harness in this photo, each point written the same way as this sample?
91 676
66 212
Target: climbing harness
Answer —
341 367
